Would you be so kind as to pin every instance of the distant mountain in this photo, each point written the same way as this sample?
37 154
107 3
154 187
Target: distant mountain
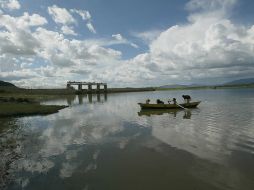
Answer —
241 81
179 86
7 84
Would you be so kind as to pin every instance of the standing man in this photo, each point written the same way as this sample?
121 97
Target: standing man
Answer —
186 98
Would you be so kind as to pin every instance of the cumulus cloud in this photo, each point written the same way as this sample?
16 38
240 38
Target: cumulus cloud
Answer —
10 4
118 37
22 22
61 15
86 16
15 34
90 27
22 74
210 45
25 38
64 17
68 30
147 36
121 40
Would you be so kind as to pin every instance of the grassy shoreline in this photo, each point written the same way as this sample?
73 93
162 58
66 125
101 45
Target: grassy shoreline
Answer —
19 109
17 106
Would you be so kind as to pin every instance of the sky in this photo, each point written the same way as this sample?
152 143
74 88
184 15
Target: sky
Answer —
45 43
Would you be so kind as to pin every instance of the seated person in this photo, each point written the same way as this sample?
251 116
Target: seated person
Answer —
159 101
147 101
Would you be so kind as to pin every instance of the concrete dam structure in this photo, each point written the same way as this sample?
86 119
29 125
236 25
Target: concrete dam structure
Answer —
89 88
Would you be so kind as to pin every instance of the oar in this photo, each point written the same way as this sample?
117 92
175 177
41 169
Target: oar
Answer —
181 106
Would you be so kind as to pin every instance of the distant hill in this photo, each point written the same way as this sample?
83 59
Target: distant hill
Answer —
7 84
179 86
241 81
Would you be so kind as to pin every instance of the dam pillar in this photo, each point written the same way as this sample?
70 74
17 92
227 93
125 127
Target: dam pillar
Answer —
105 87
80 87
98 87
90 88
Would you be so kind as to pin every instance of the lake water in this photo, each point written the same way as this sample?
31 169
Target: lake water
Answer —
106 143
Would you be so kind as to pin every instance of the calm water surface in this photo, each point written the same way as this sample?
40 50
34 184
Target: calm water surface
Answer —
105 142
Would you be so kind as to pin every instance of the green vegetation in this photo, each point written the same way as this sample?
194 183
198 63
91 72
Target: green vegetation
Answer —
25 102
7 84
43 92
8 109
33 97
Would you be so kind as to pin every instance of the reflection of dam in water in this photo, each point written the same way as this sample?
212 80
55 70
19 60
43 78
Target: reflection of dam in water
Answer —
86 98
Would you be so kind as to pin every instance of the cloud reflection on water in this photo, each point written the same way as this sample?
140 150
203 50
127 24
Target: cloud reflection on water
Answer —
73 140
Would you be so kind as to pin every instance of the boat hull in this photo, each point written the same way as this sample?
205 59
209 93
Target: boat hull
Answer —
169 106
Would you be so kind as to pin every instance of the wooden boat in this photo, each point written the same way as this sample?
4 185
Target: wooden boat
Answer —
169 106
